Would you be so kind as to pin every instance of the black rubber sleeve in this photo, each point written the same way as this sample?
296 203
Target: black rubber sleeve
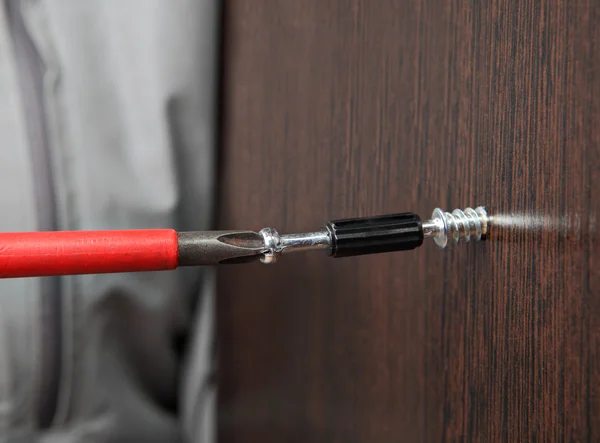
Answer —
373 235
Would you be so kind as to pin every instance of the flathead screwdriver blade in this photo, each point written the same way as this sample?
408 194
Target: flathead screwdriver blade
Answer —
219 247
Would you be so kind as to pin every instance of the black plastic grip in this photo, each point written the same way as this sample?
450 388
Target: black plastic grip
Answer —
372 235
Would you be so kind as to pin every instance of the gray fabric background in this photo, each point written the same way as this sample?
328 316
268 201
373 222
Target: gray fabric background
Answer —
128 120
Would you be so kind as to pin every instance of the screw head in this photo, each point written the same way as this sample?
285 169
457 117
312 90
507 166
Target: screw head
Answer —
441 238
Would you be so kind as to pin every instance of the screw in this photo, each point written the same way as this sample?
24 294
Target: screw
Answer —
468 224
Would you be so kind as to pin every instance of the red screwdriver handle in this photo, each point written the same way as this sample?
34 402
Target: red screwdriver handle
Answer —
37 254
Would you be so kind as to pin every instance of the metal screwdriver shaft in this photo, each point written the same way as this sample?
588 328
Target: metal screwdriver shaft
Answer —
37 254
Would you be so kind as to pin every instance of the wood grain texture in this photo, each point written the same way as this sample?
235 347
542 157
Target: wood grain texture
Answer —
336 108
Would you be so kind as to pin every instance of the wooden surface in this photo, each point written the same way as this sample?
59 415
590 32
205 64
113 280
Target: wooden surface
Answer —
338 108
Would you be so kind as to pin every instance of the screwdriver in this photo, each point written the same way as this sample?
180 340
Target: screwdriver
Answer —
53 253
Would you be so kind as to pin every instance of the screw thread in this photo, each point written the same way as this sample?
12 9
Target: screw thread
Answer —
468 224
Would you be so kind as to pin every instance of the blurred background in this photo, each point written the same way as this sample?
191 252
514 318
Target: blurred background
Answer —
201 114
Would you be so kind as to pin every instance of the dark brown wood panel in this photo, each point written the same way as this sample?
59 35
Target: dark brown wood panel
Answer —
336 108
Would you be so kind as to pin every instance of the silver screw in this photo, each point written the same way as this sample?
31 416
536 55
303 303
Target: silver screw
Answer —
468 224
